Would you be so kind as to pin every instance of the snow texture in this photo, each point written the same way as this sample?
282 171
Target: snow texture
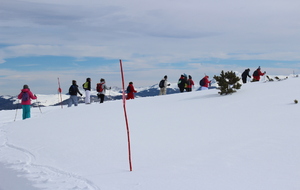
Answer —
198 140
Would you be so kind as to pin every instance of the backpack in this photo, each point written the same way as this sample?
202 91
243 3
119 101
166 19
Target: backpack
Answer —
25 96
99 87
202 82
162 83
128 89
85 85
255 73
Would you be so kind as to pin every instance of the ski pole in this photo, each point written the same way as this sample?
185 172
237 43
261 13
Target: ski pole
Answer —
17 110
39 105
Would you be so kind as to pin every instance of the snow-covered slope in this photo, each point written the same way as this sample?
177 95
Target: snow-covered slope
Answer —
198 140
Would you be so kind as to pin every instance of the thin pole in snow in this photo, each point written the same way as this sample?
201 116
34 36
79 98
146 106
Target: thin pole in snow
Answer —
38 103
125 114
17 110
59 92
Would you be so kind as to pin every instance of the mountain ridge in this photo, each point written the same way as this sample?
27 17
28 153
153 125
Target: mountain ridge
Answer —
9 102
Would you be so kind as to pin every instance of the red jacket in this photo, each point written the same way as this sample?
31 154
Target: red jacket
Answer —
130 95
259 74
31 96
190 83
206 81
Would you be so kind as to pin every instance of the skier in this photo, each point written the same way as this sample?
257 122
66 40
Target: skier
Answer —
130 91
256 74
73 90
26 95
181 83
163 85
205 83
101 89
87 87
190 84
245 74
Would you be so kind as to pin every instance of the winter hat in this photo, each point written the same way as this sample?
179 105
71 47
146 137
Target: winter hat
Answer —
165 76
190 77
25 86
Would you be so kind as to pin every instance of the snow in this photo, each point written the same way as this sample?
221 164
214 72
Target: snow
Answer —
198 140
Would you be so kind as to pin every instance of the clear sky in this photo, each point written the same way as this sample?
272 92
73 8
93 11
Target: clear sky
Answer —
41 40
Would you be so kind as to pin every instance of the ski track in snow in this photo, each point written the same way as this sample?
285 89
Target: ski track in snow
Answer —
42 174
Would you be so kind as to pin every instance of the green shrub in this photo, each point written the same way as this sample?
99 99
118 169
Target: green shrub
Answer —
227 82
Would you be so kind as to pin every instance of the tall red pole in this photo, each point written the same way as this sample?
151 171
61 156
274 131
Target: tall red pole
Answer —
125 114
59 92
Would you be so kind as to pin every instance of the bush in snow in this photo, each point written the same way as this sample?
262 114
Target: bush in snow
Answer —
228 82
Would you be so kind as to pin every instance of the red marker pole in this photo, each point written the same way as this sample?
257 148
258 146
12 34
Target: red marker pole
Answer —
59 93
125 114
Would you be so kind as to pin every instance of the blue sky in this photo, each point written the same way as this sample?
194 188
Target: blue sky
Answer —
74 39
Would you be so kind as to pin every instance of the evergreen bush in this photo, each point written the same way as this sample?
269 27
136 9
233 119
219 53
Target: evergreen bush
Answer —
227 82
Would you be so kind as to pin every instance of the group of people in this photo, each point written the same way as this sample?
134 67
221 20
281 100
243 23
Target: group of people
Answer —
101 89
255 76
184 83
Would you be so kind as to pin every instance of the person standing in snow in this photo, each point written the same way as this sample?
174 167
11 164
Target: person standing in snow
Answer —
73 90
130 91
245 74
101 89
163 85
181 83
190 84
256 74
87 87
26 95
204 85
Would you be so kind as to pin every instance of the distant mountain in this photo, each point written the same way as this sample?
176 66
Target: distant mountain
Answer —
11 102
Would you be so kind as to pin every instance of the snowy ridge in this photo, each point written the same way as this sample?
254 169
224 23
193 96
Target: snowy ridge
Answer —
198 140
10 102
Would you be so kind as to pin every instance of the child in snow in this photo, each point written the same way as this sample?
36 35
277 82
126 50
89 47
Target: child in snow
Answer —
130 91
26 95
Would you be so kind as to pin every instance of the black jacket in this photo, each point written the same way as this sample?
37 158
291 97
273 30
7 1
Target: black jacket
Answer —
181 82
246 73
73 90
